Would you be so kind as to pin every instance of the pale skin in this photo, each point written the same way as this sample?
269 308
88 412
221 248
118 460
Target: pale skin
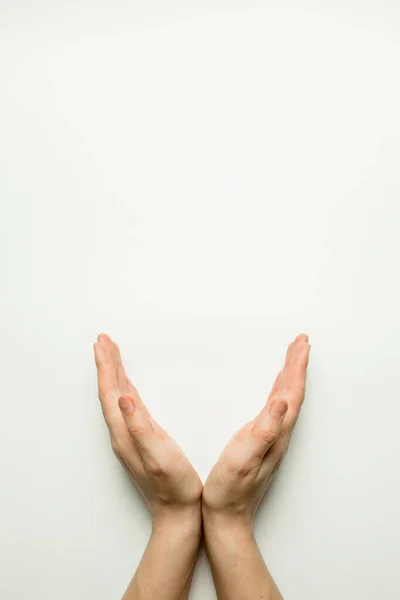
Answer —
179 505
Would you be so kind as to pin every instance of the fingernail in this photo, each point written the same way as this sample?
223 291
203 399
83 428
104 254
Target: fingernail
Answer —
279 408
126 405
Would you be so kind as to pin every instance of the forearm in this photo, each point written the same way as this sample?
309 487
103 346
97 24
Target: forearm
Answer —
166 569
238 569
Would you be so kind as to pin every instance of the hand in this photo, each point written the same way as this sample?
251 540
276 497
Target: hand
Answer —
243 472
170 485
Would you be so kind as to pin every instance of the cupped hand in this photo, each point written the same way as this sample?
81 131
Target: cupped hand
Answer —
244 470
159 468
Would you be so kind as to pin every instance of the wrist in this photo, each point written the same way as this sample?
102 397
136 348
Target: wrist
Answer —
179 521
228 535
228 524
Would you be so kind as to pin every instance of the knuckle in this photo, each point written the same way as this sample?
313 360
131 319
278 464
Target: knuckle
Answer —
238 467
281 395
267 434
136 429
232 464
245 469
154 468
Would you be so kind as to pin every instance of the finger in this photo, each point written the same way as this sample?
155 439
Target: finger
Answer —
252 445
138 402
278 383
139 425
292 348
290 382
288 354
121 375
105 364
107 381
295 377
126 451
131 387
297 343
274 457
122 384
292 390
267 425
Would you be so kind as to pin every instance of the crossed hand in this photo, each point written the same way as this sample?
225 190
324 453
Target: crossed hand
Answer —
169 483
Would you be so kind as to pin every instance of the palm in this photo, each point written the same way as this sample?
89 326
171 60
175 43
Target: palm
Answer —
239 480
167 473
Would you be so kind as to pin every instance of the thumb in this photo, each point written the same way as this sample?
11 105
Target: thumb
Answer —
268 425
137 421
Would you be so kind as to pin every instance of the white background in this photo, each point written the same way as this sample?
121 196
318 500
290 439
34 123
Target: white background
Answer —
202 182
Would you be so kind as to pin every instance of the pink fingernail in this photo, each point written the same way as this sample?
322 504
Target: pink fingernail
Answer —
126 405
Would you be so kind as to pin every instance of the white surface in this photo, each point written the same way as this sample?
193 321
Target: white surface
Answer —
202 182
